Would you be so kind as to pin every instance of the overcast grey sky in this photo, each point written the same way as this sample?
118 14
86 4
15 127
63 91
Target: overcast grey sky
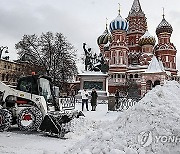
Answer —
79 20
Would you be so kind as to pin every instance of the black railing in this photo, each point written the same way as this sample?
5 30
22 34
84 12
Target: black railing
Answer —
124 103
67 103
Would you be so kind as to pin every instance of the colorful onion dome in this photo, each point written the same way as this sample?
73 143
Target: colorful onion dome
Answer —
164 26
118 24
103 39
147 39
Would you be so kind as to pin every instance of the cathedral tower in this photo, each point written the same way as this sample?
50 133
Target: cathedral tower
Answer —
147 42
118 63
137 27
165 50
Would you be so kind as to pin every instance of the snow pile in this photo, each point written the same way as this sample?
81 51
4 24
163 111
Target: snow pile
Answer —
81 126
158 113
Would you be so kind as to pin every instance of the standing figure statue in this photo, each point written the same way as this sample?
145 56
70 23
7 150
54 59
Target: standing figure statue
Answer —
94 62
101 59
88 57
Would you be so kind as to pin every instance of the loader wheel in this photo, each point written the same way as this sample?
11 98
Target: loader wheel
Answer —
5 119
29 119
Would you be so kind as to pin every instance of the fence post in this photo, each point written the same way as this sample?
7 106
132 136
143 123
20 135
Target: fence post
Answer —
111 103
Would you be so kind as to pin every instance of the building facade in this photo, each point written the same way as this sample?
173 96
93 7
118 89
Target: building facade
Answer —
11 71
136 62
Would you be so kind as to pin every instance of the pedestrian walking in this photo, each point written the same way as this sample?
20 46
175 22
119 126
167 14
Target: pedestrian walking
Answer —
84 95
94 99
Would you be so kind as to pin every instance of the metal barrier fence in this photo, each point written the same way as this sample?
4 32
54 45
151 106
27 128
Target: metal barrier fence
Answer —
114 103
124 103
99 101
67 103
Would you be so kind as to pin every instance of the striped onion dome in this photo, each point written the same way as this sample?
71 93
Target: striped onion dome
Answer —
164 26
103 39
147 39
118 24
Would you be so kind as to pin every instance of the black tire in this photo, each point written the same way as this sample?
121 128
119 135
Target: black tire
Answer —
5 119
29 119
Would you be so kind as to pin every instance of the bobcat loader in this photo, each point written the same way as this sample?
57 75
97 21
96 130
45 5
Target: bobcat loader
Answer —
33 107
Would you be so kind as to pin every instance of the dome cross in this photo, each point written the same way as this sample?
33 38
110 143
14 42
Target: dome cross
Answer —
106 23
163 13
119 10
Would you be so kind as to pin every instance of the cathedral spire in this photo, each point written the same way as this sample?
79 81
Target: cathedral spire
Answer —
136 8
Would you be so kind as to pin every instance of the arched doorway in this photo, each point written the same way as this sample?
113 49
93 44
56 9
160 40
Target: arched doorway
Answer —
157 82
149 85
3 77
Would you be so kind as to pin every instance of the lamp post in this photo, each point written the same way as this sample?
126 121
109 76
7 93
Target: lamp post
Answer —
3 48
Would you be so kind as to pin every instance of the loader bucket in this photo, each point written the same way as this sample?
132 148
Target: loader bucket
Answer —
49 125
52 125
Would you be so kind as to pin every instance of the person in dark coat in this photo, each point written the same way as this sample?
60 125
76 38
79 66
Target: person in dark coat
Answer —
94 99
116 98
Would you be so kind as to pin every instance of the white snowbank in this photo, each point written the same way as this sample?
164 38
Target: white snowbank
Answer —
103 132
158 112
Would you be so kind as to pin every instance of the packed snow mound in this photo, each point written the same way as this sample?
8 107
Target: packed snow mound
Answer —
143 129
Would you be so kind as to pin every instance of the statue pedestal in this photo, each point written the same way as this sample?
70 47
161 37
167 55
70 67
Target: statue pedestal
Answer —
97 80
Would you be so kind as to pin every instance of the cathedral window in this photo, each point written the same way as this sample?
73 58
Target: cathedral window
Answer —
136 76
166 58
170 64
114 60
121 60
119 76
130 76
123 76
132 43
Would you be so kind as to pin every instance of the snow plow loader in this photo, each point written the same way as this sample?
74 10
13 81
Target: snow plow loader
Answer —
34 107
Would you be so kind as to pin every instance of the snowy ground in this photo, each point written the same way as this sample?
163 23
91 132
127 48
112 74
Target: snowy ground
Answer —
17 142
152 126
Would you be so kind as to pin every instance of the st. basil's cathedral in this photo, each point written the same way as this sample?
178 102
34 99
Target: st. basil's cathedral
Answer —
133 55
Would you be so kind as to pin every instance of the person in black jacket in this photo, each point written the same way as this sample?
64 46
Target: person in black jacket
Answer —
116 98
94 99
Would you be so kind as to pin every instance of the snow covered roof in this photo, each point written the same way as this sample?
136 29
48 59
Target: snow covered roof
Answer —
133 71
91 73
155 66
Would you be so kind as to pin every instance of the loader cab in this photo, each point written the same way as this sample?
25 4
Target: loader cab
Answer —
38 85
28 84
